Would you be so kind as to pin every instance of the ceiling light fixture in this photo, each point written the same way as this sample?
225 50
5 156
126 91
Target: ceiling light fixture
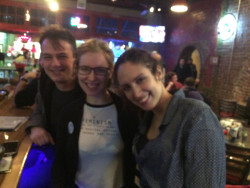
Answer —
151 9
53 5
179 6
27 16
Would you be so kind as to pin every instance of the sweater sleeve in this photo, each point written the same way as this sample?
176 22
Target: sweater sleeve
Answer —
26 97
37 118
204 151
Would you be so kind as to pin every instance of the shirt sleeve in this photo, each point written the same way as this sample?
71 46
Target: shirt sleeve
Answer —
38 116
205 160
26 96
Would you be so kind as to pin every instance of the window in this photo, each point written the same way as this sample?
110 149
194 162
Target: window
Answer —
52 18
106 26
130 29
11 14
20 16
40 17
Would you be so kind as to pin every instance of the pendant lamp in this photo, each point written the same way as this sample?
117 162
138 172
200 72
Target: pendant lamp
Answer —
179 6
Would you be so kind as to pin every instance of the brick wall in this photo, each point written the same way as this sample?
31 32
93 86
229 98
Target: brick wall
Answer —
230 79
234 67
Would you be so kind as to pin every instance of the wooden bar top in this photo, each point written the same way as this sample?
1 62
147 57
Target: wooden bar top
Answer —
8 108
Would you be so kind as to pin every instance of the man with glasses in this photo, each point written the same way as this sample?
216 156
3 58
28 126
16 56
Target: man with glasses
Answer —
57 87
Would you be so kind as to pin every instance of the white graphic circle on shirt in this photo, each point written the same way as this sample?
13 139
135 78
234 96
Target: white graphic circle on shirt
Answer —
70 127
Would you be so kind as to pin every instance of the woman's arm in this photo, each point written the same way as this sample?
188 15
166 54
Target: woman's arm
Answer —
205 160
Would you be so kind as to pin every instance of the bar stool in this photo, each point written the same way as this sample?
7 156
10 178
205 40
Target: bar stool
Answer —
227 108
237 164
241 111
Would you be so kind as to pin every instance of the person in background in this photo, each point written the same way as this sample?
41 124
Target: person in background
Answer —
190 90
158 58
94 142
57 87
24 58
27 59
190 69
171 82
21 62
26 89
180 141
180 70
33 51
23 49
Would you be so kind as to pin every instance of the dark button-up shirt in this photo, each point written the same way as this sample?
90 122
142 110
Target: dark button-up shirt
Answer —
189 152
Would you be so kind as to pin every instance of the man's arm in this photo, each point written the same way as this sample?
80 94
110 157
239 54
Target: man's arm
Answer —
205 160
27 95
169 86
36 125
24 80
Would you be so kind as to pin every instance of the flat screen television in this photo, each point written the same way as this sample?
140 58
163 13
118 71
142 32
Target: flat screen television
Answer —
152 33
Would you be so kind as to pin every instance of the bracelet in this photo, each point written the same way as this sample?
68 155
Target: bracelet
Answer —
24 79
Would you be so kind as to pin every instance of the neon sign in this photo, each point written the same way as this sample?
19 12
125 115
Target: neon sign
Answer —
76 22
24 38
227 27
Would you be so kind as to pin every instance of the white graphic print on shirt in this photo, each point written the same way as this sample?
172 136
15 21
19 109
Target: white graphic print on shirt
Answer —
100 144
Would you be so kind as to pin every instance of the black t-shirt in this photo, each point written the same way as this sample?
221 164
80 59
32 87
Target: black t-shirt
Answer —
58 101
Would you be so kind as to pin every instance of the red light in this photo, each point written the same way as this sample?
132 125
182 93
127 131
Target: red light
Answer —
24 39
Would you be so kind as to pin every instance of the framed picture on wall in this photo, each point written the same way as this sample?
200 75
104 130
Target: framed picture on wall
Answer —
214 60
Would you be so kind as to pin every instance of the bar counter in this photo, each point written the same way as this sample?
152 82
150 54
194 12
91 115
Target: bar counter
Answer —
8 108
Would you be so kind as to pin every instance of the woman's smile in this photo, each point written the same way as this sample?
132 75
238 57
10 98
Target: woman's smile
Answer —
144 100
92 85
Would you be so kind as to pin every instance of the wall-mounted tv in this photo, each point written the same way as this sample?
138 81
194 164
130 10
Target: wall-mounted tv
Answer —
152 33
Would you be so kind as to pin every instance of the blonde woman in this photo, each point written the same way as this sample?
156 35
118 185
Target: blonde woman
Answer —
94 145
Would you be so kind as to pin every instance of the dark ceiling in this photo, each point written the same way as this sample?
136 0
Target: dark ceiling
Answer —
132 4
140 5
135 4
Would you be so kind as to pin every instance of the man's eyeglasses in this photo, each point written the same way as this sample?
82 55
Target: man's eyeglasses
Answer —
85 70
